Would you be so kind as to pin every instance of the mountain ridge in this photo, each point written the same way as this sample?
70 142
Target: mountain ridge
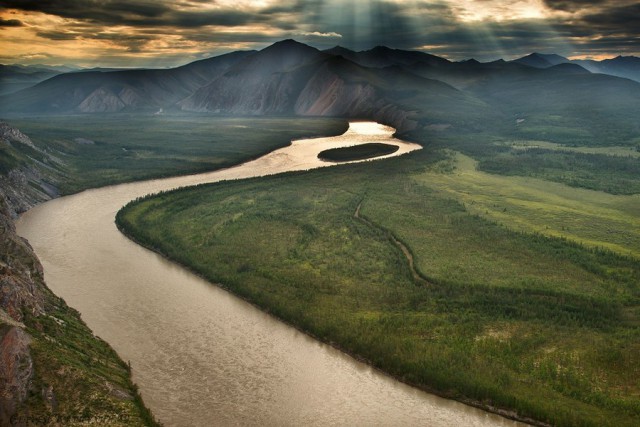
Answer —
405 89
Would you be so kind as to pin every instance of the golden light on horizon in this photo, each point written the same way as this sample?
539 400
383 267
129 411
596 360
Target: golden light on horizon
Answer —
498 10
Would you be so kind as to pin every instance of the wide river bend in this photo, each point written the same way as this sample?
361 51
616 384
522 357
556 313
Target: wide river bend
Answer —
201 356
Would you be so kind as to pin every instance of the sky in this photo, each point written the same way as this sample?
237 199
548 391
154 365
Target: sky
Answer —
164 33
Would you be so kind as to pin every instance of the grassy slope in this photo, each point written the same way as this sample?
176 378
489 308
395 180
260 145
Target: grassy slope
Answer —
91 383
541 326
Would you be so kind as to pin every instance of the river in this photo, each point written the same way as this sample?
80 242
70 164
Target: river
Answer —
201 356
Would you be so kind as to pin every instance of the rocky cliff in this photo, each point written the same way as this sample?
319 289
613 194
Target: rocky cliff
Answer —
29 174
20 295
53 370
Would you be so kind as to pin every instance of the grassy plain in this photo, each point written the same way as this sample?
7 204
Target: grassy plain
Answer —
622 151
593 218
536 324
109 149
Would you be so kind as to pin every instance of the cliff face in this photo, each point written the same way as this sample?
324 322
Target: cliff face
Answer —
30 174
53 370
16 371
328 93
19 294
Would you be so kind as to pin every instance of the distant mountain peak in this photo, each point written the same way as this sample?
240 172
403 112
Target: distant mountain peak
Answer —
541 60
289 44
289 51
567 67
381 48
339 50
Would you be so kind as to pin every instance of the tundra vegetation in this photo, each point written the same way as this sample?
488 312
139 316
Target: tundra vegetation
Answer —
532 300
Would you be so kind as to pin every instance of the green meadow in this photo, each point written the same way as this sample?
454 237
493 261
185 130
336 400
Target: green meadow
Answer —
528 295
593 218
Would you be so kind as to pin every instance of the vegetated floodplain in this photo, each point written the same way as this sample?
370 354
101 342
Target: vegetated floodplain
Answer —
357 152
109 149
542 326
612 174
592 218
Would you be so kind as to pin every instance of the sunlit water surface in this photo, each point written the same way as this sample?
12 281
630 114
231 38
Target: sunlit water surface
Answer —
201 356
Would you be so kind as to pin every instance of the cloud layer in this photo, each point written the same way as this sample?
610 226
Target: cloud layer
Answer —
165 33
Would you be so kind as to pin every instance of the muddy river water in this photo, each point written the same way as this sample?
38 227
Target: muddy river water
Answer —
201 356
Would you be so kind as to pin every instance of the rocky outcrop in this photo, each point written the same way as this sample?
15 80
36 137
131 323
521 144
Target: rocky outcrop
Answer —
9 133
33 180
23 188
19 272
328 93
16 371
19 295
101 100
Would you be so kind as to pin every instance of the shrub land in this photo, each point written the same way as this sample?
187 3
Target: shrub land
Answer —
535 323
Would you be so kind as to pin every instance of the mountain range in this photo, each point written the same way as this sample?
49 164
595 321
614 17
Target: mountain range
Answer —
620 66
407 89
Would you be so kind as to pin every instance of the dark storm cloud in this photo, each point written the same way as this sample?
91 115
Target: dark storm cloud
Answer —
600 27
599 17
132 42
574 5
616 19
132 13
10 23
57 35
107 11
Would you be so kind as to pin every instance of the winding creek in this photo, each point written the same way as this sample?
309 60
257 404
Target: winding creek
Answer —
201 356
